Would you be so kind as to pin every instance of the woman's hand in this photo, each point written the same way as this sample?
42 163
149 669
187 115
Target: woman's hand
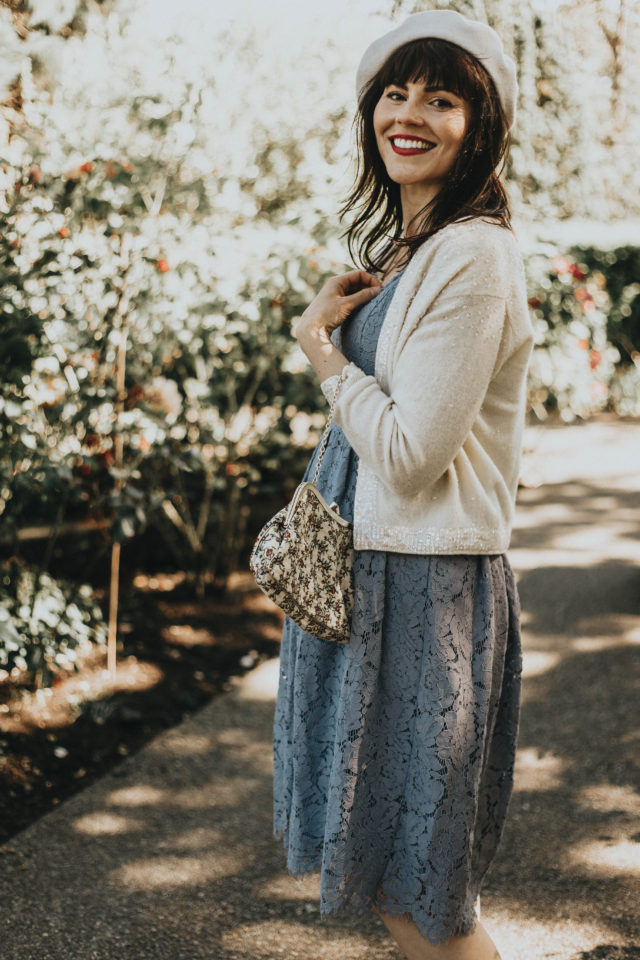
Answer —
339 297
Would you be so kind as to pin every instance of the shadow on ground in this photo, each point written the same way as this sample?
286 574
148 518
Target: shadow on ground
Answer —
609 951
176 862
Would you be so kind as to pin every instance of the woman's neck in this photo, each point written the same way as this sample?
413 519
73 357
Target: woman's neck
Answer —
413 199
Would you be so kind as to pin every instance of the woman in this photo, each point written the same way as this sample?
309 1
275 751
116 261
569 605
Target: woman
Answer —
394 753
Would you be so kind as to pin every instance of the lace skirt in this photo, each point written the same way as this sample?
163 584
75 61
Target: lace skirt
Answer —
394 754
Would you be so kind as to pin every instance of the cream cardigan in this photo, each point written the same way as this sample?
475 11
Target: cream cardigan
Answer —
438 429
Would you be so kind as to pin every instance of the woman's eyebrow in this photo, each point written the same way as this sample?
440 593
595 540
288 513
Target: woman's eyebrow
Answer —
431 89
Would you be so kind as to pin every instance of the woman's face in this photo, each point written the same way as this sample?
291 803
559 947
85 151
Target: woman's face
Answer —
419 132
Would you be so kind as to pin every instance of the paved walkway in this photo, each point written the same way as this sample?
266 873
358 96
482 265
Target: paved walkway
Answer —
170 855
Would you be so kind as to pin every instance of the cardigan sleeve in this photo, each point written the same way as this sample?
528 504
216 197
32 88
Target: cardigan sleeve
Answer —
410 436
329 385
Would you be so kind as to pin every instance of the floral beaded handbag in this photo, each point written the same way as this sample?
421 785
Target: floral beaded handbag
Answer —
303 558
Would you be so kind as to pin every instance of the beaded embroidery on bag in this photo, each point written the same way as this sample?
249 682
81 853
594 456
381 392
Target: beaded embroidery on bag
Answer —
303 557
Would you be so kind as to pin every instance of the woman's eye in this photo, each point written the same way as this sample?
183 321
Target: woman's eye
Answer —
441 103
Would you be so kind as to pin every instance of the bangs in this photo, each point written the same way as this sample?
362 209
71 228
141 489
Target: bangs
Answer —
434 62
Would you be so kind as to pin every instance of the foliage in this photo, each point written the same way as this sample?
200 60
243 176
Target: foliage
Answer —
587 353
44 623
120 237
621 265
209 375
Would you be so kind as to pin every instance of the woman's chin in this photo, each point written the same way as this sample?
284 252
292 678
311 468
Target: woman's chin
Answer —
428 185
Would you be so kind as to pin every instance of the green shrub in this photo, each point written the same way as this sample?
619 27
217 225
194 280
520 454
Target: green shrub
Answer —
585 311
44 623
621 269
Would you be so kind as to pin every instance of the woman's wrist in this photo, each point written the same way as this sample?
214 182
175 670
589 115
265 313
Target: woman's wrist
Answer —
323 355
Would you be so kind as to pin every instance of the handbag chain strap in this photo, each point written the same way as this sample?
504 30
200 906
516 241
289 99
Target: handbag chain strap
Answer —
325 435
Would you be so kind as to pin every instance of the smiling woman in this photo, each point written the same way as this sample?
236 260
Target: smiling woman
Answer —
434 89
394 752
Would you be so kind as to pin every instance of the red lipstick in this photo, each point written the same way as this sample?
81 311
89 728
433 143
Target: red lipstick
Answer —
411 151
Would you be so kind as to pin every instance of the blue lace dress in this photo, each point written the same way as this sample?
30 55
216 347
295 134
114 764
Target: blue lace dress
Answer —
394 753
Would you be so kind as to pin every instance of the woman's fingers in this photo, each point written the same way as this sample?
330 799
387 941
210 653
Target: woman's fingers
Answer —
363 296
337 299
355 280
354 289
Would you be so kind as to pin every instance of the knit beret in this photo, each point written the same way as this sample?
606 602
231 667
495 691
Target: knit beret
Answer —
478 38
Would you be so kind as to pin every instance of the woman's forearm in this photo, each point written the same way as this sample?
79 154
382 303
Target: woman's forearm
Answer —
323 355
410 436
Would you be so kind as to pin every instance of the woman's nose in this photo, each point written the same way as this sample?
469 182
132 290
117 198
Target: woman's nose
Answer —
409 112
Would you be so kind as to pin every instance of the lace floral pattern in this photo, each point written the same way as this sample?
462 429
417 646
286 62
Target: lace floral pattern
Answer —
394 754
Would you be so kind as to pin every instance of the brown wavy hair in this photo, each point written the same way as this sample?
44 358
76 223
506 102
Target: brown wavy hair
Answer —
472 187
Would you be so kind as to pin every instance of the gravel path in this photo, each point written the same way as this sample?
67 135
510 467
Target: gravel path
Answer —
170 856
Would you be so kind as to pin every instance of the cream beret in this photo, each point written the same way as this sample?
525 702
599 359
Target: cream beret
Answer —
478 38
